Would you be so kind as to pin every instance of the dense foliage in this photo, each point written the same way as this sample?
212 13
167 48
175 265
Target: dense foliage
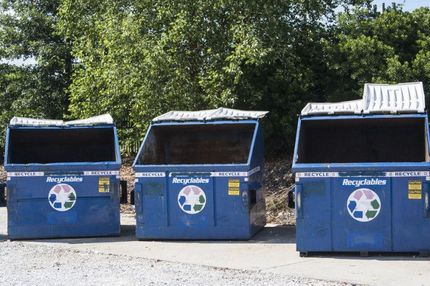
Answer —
28 31
137 59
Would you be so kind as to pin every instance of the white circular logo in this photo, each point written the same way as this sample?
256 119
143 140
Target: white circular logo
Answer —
363 205
192 199
62 197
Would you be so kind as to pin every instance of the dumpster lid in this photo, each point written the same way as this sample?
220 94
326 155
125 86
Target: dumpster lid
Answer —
211 114
23 121
345 107
377 98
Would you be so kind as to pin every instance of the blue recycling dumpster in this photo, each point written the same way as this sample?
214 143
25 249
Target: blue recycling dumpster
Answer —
199 176
62 178
363 174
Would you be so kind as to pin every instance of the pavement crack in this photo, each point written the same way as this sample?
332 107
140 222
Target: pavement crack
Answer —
287 264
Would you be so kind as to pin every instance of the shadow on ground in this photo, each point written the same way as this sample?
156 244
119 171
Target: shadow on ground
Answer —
380 256
268 235
282 234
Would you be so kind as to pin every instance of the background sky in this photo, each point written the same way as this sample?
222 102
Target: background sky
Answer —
407 4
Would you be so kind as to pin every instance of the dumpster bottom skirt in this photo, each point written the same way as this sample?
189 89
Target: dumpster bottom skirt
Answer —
207 233
62 231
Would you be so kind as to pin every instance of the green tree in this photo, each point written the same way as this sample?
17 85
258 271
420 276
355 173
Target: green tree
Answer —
28 31
368 46
137 59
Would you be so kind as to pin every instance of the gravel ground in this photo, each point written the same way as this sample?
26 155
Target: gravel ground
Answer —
24 263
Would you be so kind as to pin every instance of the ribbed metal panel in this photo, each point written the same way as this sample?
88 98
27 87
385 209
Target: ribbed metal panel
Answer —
377 98
394 98
101 119
211 114
346 107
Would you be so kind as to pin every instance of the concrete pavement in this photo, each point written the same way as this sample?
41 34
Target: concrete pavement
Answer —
271 250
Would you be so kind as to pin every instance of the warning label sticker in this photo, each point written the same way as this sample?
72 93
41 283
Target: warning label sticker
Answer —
415 190
233 187
104 184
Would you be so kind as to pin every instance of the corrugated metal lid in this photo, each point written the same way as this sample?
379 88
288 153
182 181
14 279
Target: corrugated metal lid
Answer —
377 98
346 107
211 114
100 119
96 120
394 98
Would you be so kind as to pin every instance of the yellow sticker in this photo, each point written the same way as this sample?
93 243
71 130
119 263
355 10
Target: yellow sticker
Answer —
233 187
233 192
414 190
104 184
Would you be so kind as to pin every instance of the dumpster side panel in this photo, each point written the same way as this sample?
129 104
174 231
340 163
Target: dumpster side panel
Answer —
151 200
256 192
411 215
63 205
256 202
313 217
230 207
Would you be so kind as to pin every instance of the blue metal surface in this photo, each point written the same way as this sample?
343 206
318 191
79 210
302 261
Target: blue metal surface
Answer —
159 214
33 211
327 196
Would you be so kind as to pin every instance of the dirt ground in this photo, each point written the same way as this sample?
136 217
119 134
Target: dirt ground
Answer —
278 181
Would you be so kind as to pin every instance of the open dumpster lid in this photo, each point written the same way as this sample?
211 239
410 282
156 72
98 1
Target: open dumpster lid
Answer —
377 98
211 114
23 121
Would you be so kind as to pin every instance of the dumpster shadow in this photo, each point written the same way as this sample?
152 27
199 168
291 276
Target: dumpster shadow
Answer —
127 234
272 234
376 256
275 234
279 234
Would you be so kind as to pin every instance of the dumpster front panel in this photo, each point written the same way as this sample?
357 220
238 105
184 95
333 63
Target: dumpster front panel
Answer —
200 180
63 181
376 170
198 205
192 200
63 205
361 213
383 212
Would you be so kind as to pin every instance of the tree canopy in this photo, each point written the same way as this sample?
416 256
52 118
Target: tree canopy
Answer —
138 59
28 31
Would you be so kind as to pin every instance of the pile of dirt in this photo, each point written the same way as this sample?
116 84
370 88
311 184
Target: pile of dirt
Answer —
278 181
3 174
127 174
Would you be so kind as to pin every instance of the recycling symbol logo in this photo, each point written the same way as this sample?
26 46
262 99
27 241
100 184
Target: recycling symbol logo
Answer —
62 197
363 205
192 199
